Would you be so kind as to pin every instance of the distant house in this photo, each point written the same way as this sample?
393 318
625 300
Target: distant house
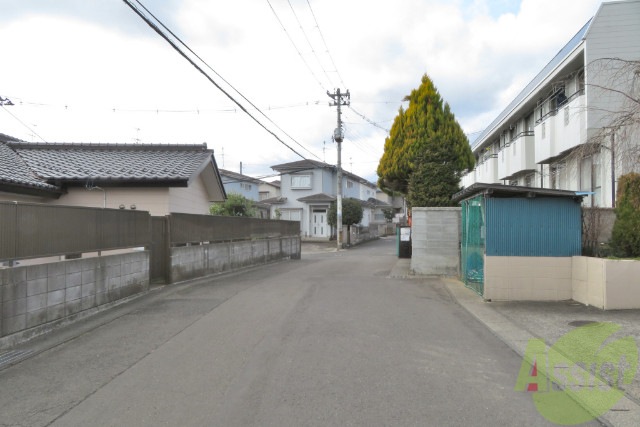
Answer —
308 187
268 190
157 178
397 202
240 184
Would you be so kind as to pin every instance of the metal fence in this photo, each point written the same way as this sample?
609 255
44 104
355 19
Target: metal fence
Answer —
33 230
189 228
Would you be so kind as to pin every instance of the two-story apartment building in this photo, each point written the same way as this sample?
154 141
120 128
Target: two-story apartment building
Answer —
541 138
307 189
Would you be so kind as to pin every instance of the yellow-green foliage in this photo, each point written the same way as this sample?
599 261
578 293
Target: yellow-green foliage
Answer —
424 137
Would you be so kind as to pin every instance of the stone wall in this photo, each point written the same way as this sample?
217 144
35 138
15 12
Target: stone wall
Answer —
435 241
190 262
35 295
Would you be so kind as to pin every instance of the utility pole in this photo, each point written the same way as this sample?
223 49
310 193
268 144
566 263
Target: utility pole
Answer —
339 99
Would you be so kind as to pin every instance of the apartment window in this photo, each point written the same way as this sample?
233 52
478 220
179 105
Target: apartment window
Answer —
300 181
349 184
263 195
245 186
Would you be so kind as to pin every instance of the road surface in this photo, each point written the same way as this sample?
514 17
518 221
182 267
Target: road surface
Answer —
327 340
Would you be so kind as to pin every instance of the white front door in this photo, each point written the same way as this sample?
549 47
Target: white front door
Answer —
319 223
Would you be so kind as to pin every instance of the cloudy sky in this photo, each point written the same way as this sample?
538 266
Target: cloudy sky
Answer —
93 71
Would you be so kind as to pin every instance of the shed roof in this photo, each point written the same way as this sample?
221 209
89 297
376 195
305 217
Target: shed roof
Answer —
505 191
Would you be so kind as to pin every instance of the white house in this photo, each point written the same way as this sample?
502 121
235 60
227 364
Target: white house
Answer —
307 189
540 139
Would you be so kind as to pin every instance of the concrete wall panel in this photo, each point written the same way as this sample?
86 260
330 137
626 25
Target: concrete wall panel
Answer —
34 295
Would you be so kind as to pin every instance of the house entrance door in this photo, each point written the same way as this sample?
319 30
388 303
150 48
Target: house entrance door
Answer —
319 223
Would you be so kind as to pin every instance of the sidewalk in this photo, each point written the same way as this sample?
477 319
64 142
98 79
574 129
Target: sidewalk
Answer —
515 323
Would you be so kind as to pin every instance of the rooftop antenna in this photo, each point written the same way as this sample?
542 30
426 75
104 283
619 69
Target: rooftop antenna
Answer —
351 163
137 138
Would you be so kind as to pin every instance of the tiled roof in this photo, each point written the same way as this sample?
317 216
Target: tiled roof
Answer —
15 172
301 165
112 162
378 203
320 197
237 177
307 164
274 200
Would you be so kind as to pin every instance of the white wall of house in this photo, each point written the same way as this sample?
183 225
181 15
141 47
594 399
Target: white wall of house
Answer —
154 200
157 200
193 199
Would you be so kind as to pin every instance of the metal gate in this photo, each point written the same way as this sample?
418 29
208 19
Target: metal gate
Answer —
159 249
473 244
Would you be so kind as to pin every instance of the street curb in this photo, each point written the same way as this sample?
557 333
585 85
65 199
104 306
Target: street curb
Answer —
624 413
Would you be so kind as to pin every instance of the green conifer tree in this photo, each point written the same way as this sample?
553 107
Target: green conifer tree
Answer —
426 151
625 238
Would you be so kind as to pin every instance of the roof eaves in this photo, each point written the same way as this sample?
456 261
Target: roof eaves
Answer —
566 51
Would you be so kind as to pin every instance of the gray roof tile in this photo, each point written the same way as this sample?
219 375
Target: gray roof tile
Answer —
14 171
112 162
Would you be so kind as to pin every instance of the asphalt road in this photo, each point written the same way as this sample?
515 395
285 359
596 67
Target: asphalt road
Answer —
327 340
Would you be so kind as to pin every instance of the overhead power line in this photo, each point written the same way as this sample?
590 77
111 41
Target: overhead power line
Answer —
368 120
197 67
223 79
309 43
296 47
325 45
20 121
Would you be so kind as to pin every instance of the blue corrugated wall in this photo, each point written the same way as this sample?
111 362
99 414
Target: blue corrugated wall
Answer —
550 227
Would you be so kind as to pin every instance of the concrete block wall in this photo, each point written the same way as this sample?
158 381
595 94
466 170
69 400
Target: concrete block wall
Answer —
435 241
34 295
606 283
527 278
190 262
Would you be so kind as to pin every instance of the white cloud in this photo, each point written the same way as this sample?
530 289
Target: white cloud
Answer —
478 58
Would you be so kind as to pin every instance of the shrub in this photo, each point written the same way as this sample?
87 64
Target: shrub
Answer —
625 238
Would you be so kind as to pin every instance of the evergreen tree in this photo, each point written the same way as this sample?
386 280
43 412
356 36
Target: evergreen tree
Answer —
625 238
426 151
351 214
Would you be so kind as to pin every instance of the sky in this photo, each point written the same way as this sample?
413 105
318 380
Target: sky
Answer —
93 71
